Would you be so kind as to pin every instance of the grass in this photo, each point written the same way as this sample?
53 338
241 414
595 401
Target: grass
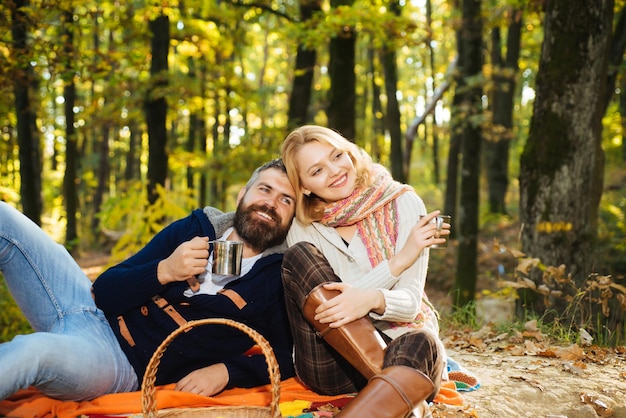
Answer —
12 321
549 325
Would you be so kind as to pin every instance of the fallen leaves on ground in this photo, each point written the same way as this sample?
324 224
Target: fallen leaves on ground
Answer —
532 359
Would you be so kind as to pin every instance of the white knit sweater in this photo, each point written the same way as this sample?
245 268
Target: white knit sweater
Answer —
403 294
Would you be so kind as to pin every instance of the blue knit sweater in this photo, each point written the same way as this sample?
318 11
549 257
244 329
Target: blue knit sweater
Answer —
127 290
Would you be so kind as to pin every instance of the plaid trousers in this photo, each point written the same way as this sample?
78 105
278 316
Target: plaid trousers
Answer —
318 365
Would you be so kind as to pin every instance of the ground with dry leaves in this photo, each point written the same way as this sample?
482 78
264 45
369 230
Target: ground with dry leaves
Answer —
524 375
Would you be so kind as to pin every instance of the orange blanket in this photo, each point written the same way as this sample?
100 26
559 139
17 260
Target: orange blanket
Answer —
31 403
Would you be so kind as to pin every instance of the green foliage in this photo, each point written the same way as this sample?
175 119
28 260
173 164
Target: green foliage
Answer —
132 222
8 195
611 246
12 321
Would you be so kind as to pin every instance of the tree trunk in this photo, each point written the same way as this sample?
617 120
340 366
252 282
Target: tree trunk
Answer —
306 59
341 109
132 169
618 45
156 106
378 127
194 142
452 171
393 108
431 64
622 110
471 105
71 167
28 141
71 149
102 174
562 163
456 137
214 180
202 136
616 56
505 71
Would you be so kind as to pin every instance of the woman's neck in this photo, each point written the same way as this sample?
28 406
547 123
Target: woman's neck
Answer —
346 232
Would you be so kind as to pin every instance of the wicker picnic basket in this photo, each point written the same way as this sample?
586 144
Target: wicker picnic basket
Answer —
148 391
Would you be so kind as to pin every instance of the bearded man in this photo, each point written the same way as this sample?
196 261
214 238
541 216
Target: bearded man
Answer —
90 340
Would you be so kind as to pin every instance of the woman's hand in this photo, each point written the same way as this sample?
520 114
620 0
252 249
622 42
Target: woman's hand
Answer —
423 234
188 260
351 304
206 381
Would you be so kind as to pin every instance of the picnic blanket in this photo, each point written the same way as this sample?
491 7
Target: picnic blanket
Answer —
295 399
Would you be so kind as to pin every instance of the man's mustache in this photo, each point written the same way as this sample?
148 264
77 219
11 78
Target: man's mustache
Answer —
267 210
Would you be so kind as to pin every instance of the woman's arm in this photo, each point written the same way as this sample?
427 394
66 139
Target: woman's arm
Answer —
402 292
409 265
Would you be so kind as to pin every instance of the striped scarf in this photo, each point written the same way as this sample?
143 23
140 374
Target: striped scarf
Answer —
373 210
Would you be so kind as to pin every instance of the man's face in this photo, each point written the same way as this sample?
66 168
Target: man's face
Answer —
264 213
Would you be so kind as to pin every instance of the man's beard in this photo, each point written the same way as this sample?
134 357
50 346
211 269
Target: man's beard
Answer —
257 233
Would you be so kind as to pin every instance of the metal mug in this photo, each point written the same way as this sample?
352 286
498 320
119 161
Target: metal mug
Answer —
439 221
227 257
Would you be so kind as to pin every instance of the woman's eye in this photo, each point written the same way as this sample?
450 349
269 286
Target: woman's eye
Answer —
338 155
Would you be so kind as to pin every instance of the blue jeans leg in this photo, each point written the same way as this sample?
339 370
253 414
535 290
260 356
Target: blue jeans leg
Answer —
73 354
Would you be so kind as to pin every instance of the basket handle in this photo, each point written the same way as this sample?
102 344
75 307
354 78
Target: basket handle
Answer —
148 399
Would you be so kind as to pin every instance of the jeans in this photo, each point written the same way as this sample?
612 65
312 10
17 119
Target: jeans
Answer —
73 353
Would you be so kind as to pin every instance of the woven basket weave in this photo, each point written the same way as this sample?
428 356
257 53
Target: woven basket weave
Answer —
148 391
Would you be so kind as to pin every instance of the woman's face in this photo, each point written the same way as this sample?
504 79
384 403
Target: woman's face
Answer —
325 171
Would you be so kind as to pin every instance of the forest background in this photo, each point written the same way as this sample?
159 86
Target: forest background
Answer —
118 117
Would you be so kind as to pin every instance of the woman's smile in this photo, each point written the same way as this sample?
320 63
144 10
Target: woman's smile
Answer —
326 171
340 182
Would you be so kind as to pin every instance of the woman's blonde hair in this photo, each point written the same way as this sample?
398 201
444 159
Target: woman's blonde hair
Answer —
310 208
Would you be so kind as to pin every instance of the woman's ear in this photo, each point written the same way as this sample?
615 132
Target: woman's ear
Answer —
306 192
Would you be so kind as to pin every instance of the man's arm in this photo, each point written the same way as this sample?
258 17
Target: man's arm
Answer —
135 280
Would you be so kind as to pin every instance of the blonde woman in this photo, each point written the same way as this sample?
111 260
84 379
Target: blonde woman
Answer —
354 279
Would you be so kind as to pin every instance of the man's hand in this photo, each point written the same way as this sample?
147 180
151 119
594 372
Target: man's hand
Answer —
206 382
188 260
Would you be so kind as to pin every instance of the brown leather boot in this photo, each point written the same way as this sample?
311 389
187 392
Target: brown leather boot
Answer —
358 342
393 393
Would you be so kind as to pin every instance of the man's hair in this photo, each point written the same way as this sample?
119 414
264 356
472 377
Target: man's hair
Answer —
276 163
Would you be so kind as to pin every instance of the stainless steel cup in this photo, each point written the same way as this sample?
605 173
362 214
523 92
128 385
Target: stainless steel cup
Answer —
439 221
227 257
